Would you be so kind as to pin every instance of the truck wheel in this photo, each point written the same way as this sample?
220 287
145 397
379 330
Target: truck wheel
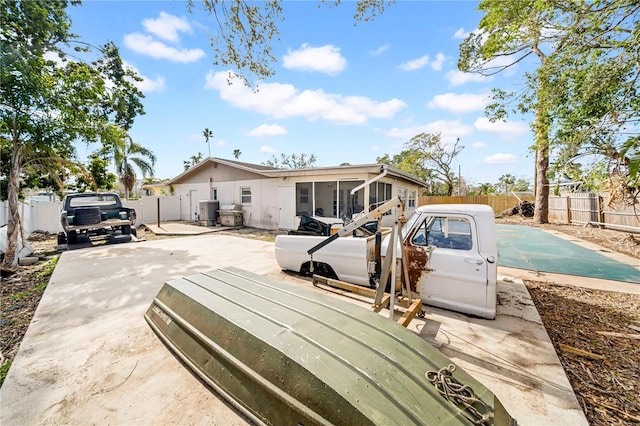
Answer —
72 237
87 216
62 238
125 229
134 232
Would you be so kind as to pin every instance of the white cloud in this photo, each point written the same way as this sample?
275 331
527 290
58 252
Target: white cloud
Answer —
221 143
167 26
268 149
267 130
326 59
458 78
146 45
500 159
147 85
380 50
507 129
279 101
450 131
461 34
459 103
478 145
415 64
437 64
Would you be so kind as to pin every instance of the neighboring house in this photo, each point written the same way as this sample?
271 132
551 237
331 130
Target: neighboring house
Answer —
272 198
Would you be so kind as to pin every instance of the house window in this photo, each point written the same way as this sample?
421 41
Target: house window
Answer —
304 197
402 193
245 195
411 202
214 193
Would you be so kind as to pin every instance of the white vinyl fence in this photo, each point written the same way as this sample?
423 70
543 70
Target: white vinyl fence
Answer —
44 216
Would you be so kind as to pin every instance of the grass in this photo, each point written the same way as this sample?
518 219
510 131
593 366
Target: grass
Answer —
43 274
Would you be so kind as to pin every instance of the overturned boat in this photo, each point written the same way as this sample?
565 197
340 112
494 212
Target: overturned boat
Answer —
283 354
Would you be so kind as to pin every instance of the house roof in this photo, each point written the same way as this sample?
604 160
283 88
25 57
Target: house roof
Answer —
268 171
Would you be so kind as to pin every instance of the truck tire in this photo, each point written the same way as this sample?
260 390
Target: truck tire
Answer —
87 216
72 237
125 229
62 238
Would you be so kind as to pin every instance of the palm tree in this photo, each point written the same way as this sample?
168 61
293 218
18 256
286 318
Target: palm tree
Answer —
128 155
207 135
237 153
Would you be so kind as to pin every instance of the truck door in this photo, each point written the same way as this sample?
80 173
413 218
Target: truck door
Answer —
457 275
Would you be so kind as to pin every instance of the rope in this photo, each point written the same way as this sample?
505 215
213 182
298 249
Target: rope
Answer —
459 394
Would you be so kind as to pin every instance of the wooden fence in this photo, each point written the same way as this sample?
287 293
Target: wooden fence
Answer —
577 209
498 203
594 209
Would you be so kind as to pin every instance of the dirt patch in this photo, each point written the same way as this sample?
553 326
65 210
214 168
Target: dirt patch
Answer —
603 369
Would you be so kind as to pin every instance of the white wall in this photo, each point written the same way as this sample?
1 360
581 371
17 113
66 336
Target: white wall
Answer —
36 215
147 208
263 212
44 216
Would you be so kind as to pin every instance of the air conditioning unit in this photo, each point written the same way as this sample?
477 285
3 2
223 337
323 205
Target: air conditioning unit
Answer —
208 212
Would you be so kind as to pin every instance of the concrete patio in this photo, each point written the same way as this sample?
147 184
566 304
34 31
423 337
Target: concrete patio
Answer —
90 358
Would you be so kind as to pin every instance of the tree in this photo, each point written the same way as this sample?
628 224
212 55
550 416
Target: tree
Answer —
247 29
192 161
520 185
506 181
128 155
237 153
45 107
208 134
436 158
99 176
578 46
293 161
485 189
408 160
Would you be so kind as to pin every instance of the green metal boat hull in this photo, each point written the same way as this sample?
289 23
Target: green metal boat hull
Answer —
284 354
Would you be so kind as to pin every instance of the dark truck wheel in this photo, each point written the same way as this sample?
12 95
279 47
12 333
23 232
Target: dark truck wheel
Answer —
62 238
125 229
87 216
72 237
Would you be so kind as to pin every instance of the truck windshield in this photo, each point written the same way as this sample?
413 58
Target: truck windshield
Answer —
94 200
407 226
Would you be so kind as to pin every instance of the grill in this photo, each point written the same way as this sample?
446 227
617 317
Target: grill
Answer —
231 215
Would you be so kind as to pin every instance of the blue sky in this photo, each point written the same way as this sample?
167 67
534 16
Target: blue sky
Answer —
344 92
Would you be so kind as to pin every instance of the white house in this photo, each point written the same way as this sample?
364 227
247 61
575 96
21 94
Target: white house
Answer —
272 198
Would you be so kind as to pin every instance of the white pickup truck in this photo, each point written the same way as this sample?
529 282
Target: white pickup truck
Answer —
450 252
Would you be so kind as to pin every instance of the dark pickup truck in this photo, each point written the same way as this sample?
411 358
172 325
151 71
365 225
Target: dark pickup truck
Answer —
96 215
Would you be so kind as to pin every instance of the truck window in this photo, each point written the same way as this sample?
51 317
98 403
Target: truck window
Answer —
444 232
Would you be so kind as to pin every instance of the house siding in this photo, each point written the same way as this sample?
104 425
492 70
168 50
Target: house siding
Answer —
269 194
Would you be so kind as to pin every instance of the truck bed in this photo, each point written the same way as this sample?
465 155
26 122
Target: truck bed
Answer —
348 256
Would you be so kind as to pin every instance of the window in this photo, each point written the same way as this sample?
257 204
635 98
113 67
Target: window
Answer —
245 195
402 193
444 232
411 201
214 193
379 193
304 196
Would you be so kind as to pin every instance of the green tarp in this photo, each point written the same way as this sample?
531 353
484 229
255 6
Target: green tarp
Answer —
533 249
